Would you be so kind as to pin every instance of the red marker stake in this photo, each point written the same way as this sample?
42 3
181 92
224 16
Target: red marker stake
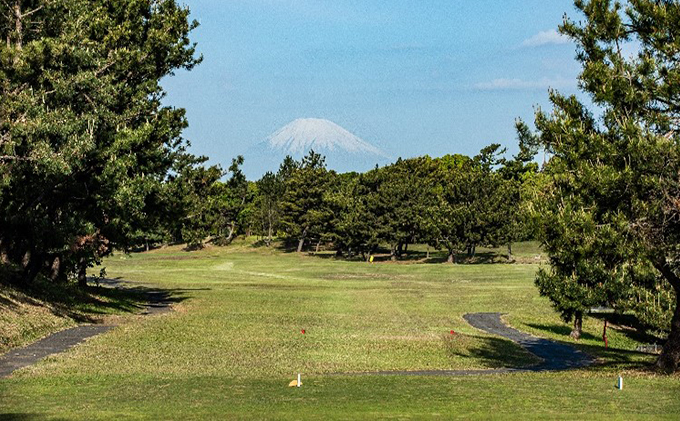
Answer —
453 333
303 331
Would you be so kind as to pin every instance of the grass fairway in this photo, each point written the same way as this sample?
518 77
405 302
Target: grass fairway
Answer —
234 342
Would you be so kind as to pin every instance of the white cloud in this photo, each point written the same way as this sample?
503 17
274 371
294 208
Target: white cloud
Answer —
520 84
550 37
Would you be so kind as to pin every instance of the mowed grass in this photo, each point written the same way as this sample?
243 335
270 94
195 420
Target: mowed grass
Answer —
235 340
28 315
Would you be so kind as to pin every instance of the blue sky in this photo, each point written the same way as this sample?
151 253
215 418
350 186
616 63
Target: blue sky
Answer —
412 77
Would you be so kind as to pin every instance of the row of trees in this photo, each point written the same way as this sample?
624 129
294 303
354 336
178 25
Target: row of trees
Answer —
454 203
90 160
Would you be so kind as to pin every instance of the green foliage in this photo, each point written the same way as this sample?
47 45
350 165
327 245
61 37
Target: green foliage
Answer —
194 195
84 139
355 227
476 202
610 210
304 212
267 211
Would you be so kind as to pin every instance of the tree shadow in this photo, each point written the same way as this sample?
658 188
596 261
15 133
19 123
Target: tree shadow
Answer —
561 330
630 326
606 357
502 353
101 297
7 303
383 254
22 417
263 243
490 351
626 325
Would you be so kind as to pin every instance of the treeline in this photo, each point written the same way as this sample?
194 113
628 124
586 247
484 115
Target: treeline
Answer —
454 203
91 161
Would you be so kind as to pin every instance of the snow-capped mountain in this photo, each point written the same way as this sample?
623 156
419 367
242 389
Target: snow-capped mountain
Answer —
343 150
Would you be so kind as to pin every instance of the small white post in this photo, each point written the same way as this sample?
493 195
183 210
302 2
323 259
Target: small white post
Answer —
299 381
620 384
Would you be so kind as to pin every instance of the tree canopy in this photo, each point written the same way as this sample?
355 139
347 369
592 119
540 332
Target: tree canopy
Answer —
84 138
610 210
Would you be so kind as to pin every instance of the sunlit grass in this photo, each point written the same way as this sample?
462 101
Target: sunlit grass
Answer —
235 340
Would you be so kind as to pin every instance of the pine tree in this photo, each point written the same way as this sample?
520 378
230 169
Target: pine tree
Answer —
84 139
304 214
613 220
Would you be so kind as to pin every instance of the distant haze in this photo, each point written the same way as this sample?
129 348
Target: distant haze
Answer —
343 150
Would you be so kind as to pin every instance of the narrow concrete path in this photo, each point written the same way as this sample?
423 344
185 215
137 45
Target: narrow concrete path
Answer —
556 356
53 344
158 301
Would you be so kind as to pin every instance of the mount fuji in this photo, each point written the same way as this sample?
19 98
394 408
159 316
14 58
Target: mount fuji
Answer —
343 150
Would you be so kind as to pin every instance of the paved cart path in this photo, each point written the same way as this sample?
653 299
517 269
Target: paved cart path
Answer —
158 301
556 356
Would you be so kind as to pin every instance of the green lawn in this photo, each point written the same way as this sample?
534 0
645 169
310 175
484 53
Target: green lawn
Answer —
234 342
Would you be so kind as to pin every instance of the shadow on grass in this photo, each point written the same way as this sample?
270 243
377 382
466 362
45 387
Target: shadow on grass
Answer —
626 325
22 417
490 352
383 256
607 357
87 305
561 330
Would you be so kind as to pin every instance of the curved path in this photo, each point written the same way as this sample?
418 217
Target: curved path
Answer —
556 356
157 302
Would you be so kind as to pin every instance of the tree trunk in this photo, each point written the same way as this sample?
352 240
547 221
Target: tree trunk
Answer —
55 269
393 253
452 257
578 326
31 264
302 240
26 259
82 273
670 354
269 236
232 228
510 251
4 258
18 25
318 244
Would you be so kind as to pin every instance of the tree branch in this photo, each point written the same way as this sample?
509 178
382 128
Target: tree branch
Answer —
662 266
